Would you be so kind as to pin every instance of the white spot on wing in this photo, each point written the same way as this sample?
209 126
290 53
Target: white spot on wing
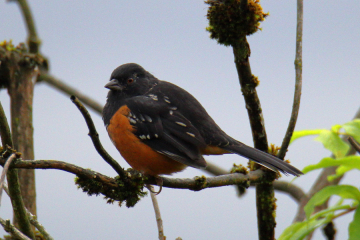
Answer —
181 124
190 134
148 118
132 121
153 97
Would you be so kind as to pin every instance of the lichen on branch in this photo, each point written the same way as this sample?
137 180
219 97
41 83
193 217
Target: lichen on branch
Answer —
232 20
129 188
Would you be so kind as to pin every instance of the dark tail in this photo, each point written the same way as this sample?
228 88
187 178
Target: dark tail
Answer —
264 159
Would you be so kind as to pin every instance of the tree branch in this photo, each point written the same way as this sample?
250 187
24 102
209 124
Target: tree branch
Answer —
195 184
354 144
265 201
33 41
95 138
23 70
288 188
298 82
13 181
8 227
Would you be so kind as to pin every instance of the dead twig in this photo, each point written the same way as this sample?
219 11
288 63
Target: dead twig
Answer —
157 212
3 173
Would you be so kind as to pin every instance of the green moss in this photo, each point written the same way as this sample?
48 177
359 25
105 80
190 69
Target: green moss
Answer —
239 169
230 22
5 152
200 183
129 189
255 80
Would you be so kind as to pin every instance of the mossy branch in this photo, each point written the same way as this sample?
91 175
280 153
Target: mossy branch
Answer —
229 23
179 183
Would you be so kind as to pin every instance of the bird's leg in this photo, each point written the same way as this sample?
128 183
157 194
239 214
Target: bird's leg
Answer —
159 182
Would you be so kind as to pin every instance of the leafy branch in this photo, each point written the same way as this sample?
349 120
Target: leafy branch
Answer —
343 163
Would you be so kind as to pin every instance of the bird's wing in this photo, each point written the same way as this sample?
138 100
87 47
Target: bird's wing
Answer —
160 126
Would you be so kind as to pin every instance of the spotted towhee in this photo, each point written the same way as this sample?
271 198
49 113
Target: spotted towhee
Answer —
159 128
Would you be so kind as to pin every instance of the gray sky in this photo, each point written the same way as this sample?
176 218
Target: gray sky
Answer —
86 40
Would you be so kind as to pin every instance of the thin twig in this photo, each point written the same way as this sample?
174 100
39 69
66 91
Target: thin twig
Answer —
69 90
298 82
345 212
157 212
33 220
8 227
95 138
3 173
354 144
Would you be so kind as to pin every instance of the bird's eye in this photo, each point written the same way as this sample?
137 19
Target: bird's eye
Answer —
130 81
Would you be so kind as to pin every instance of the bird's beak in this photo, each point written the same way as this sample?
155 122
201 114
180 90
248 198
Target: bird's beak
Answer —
114 85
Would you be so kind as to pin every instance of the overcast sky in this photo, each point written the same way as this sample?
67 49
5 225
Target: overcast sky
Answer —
86 40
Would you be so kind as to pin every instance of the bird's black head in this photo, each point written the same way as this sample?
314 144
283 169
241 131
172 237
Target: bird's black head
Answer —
130 79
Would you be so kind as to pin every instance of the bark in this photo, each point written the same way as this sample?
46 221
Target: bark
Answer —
22 75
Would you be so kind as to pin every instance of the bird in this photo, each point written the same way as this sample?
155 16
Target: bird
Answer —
160 128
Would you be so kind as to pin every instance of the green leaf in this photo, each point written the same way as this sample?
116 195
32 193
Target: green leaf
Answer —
343 191
354 229
304 133
299 230
342 169
353 129
346 164
333 142
336 128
